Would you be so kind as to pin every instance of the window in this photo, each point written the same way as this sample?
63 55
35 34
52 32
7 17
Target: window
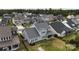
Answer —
1 39
4 38
15 46
49 36
43 32
14 32
7 38
35 39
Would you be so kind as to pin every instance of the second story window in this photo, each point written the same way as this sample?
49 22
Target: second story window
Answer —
43 32
7 38
4 38
1 39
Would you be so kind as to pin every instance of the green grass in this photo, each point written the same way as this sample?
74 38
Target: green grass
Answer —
47 45
0 17
69 37
26 24
76 49
10 23
53 45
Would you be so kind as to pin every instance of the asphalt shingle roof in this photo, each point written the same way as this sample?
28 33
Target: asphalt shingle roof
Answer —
42 25
71 23
5 31
14 41
32 32
59 27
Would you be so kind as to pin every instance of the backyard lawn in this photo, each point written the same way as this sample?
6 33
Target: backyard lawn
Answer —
69 37
53 44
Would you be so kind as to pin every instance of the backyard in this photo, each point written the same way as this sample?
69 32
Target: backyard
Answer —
47 45
52 44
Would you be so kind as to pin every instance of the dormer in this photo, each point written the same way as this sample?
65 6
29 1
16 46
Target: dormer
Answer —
5 34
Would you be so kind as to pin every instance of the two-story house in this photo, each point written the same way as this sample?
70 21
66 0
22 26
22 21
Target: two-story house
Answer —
39 31
8 40
31 35
44 29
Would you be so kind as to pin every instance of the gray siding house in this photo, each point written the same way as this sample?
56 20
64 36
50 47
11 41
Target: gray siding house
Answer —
39 31
43 28
31 35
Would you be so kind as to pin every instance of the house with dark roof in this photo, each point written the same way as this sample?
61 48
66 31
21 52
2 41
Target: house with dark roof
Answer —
8 40
6 18
59 29
31 35
39 31
75 21
43 28
71 23
60 17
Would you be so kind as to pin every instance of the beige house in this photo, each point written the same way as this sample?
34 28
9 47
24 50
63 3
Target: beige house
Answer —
8 39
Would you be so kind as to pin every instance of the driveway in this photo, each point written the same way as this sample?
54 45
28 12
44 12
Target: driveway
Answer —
20 29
